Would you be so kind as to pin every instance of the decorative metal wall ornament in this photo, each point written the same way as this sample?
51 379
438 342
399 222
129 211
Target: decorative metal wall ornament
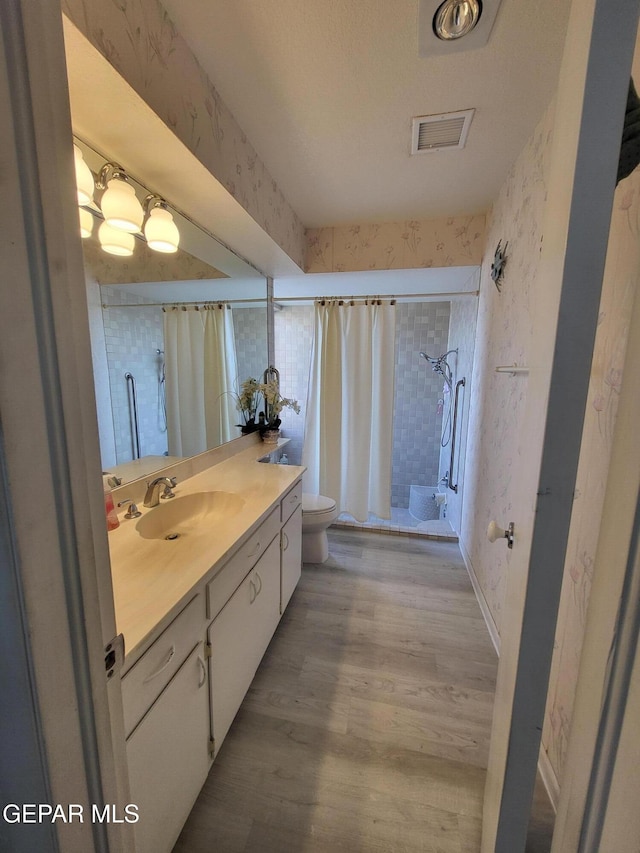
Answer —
498 265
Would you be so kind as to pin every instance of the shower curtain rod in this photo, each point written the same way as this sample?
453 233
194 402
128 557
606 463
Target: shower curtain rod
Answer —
305 298
180 304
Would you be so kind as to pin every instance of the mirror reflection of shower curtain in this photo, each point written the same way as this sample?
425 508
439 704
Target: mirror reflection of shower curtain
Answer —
200 372
349 420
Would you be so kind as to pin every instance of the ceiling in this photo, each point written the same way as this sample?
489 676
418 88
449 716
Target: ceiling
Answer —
326 89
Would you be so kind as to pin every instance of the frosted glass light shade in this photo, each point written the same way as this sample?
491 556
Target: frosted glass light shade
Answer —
161 232
120 206
84 179
115 241
86 223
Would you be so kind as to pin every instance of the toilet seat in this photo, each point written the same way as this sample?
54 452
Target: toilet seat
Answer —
315 505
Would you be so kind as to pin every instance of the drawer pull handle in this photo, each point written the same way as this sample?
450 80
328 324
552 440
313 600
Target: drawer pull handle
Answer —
260 582
293 499
285 541
252 592
152 675
255 551
203 669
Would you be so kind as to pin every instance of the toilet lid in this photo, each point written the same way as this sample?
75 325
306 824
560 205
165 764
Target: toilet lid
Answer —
317 503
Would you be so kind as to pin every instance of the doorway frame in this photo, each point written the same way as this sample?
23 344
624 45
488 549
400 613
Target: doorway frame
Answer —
33 452
70 747
589 114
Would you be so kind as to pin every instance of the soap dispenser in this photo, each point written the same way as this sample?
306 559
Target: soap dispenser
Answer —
109 508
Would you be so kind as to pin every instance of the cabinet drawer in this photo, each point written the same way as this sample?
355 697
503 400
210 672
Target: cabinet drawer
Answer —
229 578
146 679
291 501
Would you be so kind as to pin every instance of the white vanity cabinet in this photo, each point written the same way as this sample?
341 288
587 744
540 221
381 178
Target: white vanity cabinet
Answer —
291 548
178 706
168 756
239 636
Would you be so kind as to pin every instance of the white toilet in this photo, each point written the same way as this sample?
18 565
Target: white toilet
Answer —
318 512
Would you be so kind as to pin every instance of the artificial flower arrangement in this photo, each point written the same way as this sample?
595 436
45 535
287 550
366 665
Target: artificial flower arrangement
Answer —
252 395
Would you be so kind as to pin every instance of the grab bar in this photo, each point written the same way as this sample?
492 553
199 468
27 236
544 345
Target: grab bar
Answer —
133 413
459 383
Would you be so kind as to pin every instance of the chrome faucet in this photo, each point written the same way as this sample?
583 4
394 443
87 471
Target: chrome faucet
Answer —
152 496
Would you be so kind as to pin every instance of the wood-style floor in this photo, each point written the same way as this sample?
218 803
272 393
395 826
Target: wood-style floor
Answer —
366 729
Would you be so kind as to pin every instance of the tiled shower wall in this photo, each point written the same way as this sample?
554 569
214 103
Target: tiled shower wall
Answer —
293 340
417 424
417 420
132 336
250 331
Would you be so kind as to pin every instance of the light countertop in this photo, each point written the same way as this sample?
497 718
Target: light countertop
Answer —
151 577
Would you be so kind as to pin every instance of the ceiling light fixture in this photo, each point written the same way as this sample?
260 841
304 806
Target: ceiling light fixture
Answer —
119 204
160 230
455 18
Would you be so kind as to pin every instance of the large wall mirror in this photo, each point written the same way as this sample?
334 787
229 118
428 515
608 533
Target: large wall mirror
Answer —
128 336
173 336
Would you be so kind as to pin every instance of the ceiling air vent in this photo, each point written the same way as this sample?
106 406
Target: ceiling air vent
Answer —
444 131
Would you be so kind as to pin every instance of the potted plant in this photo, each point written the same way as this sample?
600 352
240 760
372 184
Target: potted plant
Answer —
247 402
274 404
253 395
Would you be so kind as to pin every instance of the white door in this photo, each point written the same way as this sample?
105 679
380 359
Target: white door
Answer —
590 109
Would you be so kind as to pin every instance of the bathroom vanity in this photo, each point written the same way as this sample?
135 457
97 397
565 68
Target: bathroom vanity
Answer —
200 583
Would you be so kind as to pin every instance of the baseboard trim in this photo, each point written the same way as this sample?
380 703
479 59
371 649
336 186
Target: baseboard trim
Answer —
547 773
549 778
482 601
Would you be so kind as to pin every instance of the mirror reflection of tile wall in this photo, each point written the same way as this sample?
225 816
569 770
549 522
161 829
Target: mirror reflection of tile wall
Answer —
250 328
132 338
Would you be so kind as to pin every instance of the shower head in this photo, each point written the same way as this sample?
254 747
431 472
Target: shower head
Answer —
441 365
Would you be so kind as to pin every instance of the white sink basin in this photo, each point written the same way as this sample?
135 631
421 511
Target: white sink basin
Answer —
188 515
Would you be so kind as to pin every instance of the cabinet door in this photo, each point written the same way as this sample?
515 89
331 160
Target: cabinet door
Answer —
239 636
291 557
168 756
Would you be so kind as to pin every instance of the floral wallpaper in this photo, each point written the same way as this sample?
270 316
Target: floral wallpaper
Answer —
497 434
139 39
504 330
621 279
449 242
145 265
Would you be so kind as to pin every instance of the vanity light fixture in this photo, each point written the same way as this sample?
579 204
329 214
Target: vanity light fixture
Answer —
86 222
119 204
455 18
115 241
125 218
160 231
84 178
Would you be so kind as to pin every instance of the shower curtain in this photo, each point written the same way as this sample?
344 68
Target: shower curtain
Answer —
348 431
200 370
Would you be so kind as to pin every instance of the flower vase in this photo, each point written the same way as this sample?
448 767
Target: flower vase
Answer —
271 436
